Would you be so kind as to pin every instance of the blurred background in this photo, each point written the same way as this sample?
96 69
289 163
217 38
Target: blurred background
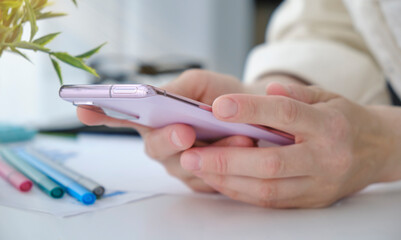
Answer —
148 41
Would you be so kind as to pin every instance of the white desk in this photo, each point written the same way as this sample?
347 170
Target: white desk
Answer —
373 214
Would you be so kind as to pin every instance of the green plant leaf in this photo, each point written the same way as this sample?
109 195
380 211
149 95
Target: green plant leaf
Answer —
10 4
21 54
49 15
90 52
29 45
18 33
32 18
46 39
56 66
74 61
75 2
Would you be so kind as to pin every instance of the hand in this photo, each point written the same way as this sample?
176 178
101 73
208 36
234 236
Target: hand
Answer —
340 148
166 144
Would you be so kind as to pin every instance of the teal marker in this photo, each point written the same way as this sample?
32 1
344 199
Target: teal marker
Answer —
43 182
13 133
89 184
74 189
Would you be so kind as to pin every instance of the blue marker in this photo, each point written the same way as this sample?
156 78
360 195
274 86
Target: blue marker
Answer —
72 188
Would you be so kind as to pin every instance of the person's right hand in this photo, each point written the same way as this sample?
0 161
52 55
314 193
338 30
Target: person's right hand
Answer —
166 144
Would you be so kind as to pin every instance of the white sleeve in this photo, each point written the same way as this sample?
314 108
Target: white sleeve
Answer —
315 40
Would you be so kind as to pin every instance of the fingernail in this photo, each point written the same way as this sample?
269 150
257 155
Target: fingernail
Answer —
175 139
226 108
191 161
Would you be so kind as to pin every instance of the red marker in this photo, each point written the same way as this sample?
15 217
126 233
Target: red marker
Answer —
14 177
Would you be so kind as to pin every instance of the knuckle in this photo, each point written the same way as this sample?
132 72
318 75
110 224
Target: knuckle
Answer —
267 192
287 110
221 163
271 166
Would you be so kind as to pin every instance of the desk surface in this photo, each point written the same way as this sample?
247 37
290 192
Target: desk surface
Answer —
372 214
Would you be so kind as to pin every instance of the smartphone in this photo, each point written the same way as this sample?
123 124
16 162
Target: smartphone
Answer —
154 107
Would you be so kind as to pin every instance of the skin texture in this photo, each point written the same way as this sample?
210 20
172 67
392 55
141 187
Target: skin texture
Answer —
166 144
340 148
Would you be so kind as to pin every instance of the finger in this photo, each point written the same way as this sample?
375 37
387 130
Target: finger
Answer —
278 112
173 167
164 142
202 85
93 116
235 141
306 94
195 183
265 163
90 115
172 163
198 185
266 192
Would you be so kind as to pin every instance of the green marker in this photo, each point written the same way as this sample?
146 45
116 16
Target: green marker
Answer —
87 183
48 186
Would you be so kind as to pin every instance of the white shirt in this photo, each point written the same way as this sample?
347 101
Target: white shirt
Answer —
349 47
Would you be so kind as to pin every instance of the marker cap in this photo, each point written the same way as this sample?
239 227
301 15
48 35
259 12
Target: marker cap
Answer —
51 188
15 178
81 194
57 192
20 182
99 191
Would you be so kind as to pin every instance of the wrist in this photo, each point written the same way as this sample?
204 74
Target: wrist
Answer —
389 136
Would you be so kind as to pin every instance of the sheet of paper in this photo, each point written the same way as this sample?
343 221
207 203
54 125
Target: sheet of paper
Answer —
118 163
35 200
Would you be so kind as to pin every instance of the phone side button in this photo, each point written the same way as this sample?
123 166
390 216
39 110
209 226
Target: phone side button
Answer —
125 90
76 103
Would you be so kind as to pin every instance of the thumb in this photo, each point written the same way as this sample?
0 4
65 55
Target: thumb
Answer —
306 94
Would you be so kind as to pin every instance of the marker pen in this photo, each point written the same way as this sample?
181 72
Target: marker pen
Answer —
43 182
72 188
15 133
14 177
89 184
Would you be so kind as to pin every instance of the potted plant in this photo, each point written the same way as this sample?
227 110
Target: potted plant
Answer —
16 14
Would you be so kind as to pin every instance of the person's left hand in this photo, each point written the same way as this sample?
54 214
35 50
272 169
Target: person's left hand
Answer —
340 147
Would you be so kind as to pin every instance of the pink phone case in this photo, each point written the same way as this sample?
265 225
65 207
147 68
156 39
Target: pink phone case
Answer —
154 107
